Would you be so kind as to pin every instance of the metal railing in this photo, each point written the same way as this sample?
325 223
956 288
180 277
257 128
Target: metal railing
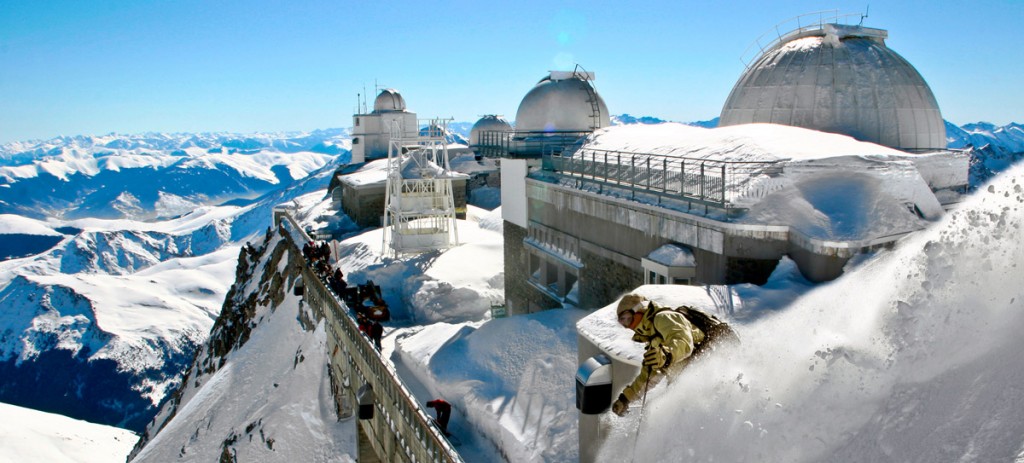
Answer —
526 144
400 430
791 28
709 182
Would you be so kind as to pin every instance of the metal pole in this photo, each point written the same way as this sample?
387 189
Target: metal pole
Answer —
702 180
723 185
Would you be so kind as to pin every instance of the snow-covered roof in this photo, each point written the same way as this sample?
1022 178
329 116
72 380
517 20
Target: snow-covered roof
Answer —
824 185
747 142
673 256
376 173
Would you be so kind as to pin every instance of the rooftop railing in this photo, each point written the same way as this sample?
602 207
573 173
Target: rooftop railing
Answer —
708 182
526 144
791 28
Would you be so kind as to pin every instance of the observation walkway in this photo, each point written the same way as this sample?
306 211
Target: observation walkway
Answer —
399 430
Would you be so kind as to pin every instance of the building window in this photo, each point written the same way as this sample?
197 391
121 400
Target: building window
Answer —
355 141
357 122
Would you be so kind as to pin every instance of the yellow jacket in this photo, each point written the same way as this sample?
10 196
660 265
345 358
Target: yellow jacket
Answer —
663 327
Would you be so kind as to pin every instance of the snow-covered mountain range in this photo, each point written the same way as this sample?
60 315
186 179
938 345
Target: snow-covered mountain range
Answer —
154 176
117 252
103 311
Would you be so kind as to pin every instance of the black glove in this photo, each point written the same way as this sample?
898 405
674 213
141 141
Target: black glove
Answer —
657 358
620 406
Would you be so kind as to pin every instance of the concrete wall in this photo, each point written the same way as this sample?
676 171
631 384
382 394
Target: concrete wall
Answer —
603 279
364 205
521 297
615 234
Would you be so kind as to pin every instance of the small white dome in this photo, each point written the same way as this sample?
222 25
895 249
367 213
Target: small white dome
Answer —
389 100
568 104
488 123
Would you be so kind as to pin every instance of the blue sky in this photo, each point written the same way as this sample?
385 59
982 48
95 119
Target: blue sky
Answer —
95 67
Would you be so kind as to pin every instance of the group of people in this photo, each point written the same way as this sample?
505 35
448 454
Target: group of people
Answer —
318 256
365 300
369 308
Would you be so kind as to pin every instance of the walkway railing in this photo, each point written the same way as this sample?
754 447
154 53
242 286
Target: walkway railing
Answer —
525 144
794 27
708 182
400 430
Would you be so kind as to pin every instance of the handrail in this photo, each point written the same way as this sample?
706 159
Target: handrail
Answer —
400 415
776 35
712 182
526 143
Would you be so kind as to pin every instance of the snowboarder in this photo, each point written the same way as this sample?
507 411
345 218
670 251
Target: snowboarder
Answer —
444 413
376 331
671 340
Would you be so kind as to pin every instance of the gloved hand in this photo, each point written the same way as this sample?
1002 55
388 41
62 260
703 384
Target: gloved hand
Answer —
620 406
657 358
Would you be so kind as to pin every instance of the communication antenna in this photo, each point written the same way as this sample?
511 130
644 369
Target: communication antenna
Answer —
866 11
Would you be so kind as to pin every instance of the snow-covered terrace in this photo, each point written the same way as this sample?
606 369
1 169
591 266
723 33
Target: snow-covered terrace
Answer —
734 168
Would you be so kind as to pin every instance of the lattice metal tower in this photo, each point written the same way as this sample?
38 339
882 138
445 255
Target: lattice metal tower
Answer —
419 202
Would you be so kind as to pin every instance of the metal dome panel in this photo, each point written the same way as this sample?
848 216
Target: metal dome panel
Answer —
840 81
389 100
562 105
487 123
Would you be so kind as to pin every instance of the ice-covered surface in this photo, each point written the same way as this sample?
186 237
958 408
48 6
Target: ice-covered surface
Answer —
28 435
911 356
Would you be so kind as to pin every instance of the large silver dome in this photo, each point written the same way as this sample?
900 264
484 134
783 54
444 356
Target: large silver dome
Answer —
562 102
488 123
840 79
389 100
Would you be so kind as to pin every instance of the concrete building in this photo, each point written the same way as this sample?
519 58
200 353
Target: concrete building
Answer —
596 217
372 131
640 205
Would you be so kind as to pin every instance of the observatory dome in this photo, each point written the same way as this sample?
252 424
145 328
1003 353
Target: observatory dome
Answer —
840 79
488 123
389 100
562 101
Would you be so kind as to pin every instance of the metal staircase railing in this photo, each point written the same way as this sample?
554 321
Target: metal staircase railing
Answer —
791 28
595 105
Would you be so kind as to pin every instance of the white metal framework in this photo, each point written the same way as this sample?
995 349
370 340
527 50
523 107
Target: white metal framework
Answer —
419 204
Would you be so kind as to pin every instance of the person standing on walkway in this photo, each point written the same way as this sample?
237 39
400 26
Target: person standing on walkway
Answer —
444 413
376 332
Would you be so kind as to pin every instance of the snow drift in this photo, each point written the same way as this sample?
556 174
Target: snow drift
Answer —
913 356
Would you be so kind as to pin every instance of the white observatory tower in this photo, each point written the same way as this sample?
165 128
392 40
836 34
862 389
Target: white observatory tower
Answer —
370 131
419 204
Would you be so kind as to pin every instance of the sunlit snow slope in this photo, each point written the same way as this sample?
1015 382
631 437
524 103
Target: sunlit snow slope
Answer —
913 356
